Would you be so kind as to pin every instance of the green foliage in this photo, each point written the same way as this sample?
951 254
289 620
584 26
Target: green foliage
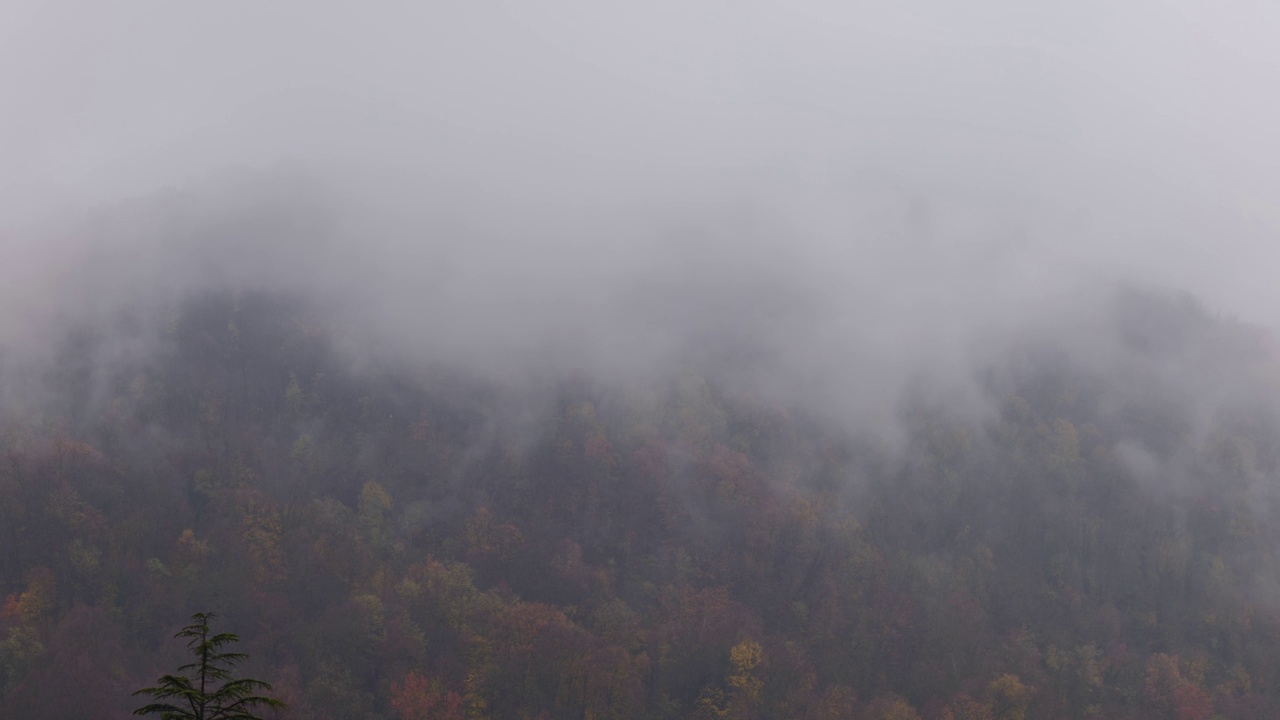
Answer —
17 653
205 689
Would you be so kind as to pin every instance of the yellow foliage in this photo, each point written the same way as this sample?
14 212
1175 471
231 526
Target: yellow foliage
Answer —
710 705
39 596
1009 697
188 552
85 558
837 703
746 656
372 496
261 533
891 709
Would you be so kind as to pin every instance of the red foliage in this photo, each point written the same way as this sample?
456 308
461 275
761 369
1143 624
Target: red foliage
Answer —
85 652
1173 695
12 608
652 460
600 450
418 698
1191 702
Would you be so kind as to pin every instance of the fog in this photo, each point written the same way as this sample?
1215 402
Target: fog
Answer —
860 194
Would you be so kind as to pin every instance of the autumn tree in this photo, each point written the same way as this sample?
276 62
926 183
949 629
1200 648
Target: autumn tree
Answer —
417 698
1009 697
891 708
205 689
1171 693
746 658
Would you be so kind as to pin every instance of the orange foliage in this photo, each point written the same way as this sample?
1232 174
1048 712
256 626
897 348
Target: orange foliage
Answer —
12 608
418 698
1171 693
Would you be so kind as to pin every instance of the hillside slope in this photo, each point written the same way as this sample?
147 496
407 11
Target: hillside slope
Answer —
393 540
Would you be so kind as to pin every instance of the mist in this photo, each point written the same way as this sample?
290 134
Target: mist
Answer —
856 196
662 360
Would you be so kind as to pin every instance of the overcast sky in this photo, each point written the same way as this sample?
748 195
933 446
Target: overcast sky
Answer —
922 163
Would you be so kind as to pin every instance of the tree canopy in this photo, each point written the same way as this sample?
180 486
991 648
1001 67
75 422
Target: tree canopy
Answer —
399 543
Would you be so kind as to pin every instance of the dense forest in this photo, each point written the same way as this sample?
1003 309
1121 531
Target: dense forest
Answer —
412 541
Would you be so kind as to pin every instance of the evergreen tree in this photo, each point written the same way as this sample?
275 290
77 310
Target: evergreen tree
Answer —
204 689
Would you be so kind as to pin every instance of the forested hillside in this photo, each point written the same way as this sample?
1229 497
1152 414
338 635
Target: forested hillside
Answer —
410 541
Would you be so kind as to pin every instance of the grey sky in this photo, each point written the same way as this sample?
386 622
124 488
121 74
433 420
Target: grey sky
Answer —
900 173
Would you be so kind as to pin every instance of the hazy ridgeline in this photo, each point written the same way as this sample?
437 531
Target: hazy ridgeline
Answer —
687 360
